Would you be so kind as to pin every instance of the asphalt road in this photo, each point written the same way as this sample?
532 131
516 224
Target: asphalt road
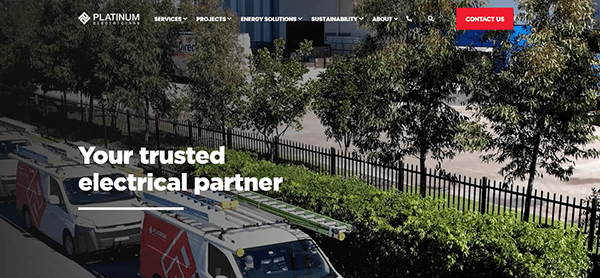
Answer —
33 254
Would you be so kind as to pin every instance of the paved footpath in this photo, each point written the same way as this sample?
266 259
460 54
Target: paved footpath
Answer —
25 256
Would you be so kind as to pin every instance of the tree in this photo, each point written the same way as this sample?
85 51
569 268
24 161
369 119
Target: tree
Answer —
538 105
68 53
217 70
338 101
139 67
18 23
276 98
418 71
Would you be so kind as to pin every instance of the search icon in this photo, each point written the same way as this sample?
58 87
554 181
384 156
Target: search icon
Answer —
430 18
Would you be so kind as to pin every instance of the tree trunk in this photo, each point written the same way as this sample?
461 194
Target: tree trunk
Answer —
113 123
147 121
223 133
27 97
532 166
91 117
423 170
273 148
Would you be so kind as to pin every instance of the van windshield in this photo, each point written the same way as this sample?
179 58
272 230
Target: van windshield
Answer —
284 260
79 197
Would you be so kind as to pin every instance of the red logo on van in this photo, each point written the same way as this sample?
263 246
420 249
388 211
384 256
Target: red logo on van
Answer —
165 249
29 186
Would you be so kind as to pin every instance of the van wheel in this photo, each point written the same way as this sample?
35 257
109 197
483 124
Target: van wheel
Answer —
27 218
69 244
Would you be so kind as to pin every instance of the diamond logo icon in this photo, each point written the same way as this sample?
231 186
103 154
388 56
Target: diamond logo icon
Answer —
84 18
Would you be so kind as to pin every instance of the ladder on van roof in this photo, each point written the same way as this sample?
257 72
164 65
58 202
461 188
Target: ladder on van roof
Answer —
299 216
211 207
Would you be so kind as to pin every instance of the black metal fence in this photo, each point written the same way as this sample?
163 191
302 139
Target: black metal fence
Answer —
115 128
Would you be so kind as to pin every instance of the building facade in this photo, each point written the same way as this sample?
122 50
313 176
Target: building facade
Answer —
340 36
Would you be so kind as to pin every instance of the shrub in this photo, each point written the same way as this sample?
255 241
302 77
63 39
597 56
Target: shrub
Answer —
403 235
235 161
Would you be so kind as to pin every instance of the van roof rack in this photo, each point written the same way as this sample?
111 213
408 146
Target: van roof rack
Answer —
53 156
14 125
222 210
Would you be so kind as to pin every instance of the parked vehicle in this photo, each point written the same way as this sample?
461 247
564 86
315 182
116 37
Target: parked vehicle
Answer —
14 125
49 199
216 236
12 134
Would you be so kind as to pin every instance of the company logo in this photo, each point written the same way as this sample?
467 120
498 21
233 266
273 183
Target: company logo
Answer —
84 18
153 231
111 18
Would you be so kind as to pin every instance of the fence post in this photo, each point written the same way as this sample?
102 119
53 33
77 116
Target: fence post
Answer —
229 138
332 158
28 108
483 203
64 117
275 149
592 225
191 141
400 180
157 142
46 112
104 126
129 129
82 117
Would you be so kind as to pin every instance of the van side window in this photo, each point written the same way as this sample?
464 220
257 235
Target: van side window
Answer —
55 190
218 264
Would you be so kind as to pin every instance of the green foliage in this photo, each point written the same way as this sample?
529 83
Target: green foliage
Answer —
139 65
471 136
66 53
417 10
420 240
276 98
538 105
235 161
339 103
128 64
402 235
18 21
217 70
416 71
593 40
467 244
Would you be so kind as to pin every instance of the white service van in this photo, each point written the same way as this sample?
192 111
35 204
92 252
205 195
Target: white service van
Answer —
49 199
12 134
215 236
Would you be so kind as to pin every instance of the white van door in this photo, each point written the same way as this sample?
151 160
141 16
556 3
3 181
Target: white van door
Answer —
58 217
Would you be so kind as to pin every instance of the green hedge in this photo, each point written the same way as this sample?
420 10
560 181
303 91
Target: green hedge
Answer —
403 235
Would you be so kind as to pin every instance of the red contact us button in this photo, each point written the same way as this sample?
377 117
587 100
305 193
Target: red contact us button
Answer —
484 18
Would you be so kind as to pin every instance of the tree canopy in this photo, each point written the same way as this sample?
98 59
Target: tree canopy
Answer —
276 98
419 71
217 70
538 105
